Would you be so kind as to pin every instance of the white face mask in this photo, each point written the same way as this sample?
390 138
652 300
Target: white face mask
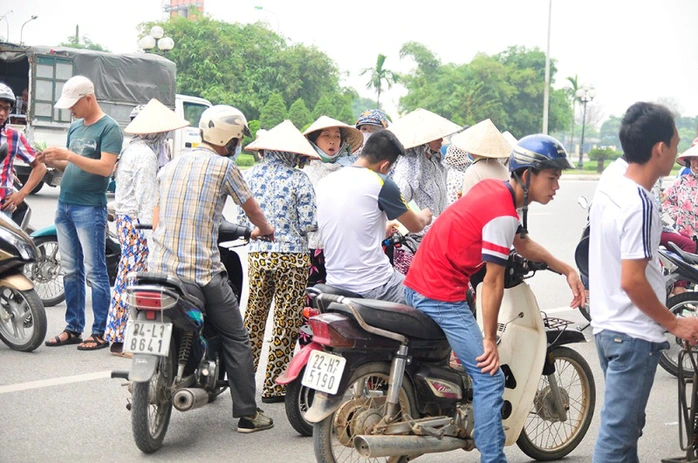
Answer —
238 150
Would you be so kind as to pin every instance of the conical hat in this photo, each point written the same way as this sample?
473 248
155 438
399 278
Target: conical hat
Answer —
483 139
284 137
155 117
351 134
692 152
420 127
510 138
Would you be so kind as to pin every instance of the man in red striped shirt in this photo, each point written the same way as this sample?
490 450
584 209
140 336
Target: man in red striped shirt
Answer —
17 145
480 228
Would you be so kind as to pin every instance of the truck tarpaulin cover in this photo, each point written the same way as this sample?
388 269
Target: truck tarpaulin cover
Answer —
118 78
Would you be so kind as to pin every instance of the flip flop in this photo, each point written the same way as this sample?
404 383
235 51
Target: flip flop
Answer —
73 338
93 343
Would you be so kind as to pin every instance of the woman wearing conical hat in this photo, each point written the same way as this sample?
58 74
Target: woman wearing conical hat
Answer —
135 198
488 147
334 142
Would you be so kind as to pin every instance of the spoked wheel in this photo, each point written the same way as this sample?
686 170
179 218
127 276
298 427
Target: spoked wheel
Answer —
22 319
299 398
152 406
362 408
681 305
544 436
47 272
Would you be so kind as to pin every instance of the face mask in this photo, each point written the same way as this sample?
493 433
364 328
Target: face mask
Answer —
236 153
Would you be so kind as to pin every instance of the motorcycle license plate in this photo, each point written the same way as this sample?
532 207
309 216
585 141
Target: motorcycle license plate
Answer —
323 372
145 337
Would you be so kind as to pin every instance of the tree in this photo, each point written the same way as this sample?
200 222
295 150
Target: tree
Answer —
378 75
299 114
359 105
74 42
273 113
324 107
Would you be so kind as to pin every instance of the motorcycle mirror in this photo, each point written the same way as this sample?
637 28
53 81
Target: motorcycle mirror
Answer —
3 151
583 202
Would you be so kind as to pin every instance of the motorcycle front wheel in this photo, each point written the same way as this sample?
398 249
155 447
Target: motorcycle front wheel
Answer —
23 319
681 305
364 399
544 436
298 400
47 272
151 405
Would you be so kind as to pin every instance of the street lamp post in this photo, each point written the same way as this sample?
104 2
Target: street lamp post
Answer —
21 30
156 38
7 39
585 94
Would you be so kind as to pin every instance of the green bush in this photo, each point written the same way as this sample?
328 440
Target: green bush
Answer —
607 154
245 160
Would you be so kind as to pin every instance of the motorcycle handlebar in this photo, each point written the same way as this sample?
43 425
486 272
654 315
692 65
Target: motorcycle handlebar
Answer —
230 232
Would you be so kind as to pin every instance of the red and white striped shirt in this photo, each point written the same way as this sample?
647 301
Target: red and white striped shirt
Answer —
17 145
479 227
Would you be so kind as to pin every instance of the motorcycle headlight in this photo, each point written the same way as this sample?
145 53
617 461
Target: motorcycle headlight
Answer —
25 249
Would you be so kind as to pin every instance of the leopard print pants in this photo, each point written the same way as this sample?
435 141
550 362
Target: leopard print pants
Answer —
281 277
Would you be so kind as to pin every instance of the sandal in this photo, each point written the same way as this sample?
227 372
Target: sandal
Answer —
94 342
73 338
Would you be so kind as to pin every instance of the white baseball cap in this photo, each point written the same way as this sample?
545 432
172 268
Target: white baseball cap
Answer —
75 88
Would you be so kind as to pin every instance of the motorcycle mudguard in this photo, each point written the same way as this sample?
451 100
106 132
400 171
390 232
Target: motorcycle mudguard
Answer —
46 231
323 406
143 367
297 363
17 281
522 349
560 337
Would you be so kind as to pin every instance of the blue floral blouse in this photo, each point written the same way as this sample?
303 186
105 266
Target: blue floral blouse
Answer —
287 198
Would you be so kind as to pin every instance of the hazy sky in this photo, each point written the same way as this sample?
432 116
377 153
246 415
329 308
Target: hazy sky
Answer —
629 50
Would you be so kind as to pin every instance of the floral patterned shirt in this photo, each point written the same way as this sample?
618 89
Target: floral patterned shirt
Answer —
422 179
137 183
681 203
287 198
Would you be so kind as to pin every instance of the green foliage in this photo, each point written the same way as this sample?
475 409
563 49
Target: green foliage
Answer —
86 43
378 76
245 160
254 126
299 114
686 126
608 134
359 105
507 88
274 112
243 65
603 153
324 107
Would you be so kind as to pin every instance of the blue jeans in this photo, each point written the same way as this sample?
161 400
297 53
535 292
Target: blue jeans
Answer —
465 338
628 365
81 239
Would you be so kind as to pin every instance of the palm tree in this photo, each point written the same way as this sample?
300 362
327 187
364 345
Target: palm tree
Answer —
379 75
572 92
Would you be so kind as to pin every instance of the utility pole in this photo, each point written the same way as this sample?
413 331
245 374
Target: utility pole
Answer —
77 34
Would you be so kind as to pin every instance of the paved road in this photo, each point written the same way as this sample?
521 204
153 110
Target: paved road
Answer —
59 405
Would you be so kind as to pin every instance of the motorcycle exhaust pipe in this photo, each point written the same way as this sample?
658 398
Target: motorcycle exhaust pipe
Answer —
189 399
393 446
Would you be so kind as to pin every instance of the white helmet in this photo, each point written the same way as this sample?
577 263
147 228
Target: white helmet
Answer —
221 123
7 94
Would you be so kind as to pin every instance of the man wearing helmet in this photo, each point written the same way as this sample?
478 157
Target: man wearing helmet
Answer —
17 145
480 228
193 191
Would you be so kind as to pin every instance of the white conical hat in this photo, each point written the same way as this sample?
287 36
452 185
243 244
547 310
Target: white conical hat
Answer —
420 127
284 137
510 138
155 117
483 139
351 134
691 152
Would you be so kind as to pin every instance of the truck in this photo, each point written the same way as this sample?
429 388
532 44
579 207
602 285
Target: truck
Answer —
37 73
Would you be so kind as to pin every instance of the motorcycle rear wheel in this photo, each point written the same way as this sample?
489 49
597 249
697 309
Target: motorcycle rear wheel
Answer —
25 329
368 382
543 437
298 400
681 305
47 272
151 405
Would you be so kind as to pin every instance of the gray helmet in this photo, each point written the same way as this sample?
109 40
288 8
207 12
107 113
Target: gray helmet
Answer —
7 94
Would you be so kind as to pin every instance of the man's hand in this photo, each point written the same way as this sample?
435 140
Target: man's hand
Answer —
391 227
55 153
687 329
12 201
267 234
488 362
577 288
427 215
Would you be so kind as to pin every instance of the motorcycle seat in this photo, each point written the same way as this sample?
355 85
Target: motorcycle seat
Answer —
398 318
687 256
327 289
176 283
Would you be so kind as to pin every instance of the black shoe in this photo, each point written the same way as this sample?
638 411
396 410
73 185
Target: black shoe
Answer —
275 399
259 422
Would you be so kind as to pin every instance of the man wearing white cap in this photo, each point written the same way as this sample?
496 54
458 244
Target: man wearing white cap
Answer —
94 141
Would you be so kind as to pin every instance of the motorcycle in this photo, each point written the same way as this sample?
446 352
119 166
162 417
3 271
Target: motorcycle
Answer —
22 315
176 353
384 388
